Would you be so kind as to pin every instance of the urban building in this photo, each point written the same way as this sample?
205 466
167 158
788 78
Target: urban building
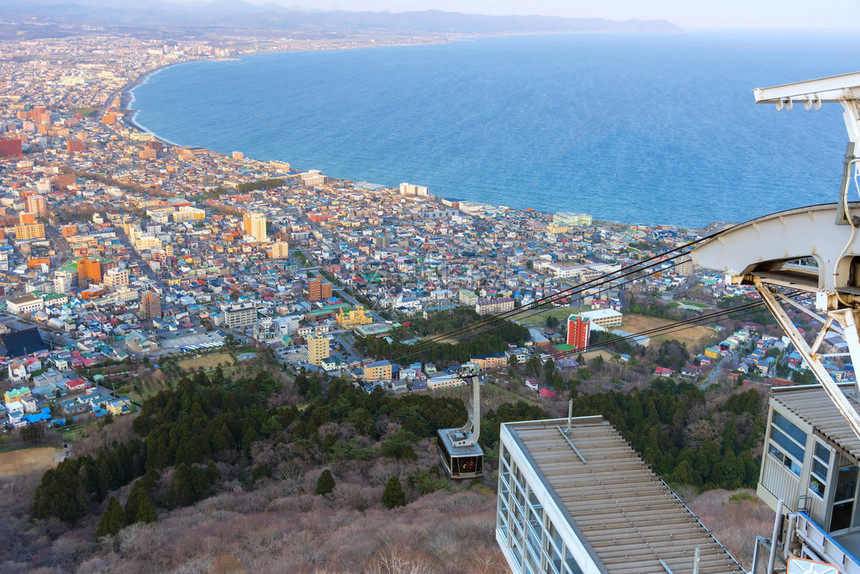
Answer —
63 281
36 204
574 497
29 231
378 371
571 219
116 277
606 318
318 349
150 305
494 306
354 317
89 271
279 250
578 331
319 289
254 224
410 189
239 314
25 304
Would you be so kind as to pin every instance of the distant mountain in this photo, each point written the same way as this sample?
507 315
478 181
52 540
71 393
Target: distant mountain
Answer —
237 15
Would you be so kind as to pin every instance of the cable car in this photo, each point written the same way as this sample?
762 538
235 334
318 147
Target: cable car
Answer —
458 448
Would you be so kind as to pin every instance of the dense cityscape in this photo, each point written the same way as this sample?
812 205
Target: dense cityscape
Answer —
127 261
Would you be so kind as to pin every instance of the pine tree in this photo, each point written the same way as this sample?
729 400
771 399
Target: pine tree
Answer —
112 520
393 495
325 483
145 510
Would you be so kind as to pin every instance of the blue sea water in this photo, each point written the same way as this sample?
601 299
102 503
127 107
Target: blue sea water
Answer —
631 128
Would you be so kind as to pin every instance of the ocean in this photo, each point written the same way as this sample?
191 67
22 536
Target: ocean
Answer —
634 128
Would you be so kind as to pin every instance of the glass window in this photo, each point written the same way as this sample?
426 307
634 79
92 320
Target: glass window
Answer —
570 565
785 460
820 467
790 428
787 444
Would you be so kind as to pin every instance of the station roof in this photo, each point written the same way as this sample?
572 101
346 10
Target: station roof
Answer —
626 516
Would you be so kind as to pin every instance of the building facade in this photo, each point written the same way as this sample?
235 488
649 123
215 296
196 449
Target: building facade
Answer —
319 289
318 349
494 306
150 305
25 304
237 315
606 318
255 224
578 331
89 271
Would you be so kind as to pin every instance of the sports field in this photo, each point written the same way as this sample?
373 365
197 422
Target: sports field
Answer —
692 336
28 460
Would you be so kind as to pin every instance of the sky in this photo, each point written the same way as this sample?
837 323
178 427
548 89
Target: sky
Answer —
689 14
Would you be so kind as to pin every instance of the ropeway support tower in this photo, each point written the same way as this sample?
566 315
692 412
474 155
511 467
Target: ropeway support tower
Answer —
813 250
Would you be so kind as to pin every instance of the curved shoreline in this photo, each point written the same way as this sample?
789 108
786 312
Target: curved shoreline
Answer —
128 101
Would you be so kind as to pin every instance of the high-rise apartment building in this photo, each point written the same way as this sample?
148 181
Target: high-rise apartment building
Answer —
578 331
150 305
319 290
116 277
318 349
37 205
279 250
89 271
28 231
62 281
239 314
255 224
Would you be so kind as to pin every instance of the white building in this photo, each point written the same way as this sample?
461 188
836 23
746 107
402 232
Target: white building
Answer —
25 304
606 318
239 314
582 501
410 189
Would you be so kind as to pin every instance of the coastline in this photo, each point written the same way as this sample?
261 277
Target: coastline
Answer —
128 100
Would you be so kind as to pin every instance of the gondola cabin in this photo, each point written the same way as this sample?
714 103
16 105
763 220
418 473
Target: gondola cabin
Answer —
461 462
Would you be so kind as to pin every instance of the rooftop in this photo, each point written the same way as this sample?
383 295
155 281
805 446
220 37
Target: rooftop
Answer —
614 502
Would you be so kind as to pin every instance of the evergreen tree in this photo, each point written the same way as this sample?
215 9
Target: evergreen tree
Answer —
325 483
145 510
393 495
112 520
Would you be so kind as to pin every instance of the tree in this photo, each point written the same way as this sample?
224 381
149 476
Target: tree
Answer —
145 509
393 495
325 483
112 520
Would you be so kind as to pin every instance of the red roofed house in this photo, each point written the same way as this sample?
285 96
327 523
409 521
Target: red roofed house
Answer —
76 385
663 372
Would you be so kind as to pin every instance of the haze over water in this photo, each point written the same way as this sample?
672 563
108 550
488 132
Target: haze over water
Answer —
632 128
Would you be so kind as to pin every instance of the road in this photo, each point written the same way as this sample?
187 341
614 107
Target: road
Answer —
728 362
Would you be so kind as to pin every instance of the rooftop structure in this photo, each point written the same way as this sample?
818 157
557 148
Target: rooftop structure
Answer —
579 499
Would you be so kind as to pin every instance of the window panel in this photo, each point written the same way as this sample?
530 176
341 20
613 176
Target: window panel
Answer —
790 428
787 445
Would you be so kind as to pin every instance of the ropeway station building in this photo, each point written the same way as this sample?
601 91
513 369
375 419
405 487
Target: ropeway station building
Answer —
811 464
575 498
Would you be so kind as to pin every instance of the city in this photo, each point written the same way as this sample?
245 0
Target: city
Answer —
126 261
